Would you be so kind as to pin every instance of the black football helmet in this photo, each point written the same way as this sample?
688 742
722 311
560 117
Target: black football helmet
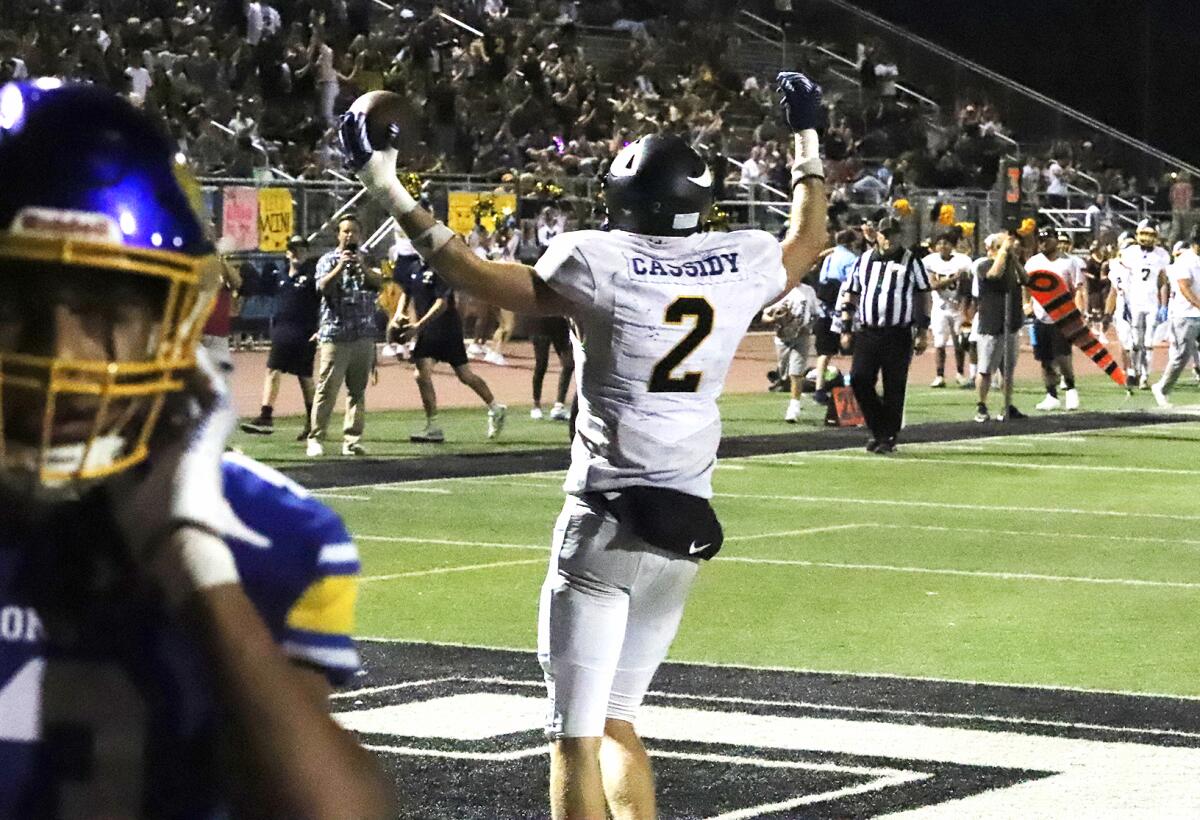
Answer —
658 185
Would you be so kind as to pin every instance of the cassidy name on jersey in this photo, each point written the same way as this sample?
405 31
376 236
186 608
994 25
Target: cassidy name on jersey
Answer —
708 266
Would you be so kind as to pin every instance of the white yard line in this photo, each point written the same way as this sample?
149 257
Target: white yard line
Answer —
446 570
835 500
1003 576
339 496
443 542
975 462
402 488
409 684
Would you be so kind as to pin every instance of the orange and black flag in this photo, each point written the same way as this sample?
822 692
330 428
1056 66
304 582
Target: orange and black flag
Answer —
1059 303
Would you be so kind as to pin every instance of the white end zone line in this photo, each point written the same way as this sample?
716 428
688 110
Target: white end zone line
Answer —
525 650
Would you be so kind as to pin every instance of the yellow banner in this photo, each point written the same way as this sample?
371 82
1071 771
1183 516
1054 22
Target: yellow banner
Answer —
465 205
274 219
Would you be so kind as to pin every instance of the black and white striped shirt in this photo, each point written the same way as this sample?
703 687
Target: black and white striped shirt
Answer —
887 288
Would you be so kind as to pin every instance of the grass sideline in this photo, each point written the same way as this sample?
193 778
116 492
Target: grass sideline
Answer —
1066 560
742 414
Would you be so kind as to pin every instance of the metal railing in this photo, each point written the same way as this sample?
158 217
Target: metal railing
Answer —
1015 87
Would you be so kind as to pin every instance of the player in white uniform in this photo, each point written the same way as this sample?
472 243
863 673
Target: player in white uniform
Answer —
1184 275
1146 292
1114 304
793 318
949 272
1050 347
658 310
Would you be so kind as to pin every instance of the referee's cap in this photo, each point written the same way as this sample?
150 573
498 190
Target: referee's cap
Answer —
888 226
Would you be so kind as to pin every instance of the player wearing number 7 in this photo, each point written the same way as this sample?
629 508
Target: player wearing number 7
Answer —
658 308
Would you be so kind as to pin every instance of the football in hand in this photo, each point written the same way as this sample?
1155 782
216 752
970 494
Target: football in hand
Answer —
383 109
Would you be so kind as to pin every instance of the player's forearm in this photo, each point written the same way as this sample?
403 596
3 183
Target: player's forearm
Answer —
806 231
435 310
1185 290
508 285
289 757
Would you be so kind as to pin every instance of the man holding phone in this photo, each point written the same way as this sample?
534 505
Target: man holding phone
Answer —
349 287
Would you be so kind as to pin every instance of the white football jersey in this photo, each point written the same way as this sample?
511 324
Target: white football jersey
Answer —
1069 268
655 326
1186 268
1118 279
1141 285
958 265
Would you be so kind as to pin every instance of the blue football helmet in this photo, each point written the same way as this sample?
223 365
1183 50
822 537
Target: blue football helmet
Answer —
658 185
98 218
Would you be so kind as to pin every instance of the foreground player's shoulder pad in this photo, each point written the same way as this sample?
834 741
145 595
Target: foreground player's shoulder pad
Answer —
766 254
305 584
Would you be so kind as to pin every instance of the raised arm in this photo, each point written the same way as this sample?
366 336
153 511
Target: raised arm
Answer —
800 102
508 285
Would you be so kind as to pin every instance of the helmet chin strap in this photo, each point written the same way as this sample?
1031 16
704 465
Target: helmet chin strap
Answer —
65 459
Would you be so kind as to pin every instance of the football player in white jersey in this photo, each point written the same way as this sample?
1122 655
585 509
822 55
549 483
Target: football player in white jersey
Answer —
1184 274
1050 347
1146 291
1114 303
658 309
949 272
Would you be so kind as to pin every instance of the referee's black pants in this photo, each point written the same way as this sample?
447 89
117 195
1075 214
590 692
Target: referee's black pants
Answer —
887 350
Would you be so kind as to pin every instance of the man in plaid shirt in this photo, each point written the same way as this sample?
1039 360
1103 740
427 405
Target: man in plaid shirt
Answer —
349 288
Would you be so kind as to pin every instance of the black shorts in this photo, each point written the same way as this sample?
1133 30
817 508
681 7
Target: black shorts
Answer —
555 330
294 356
825 341
442 341
1049 343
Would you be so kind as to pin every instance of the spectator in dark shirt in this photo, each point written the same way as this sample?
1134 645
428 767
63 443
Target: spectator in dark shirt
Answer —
427 313
293 337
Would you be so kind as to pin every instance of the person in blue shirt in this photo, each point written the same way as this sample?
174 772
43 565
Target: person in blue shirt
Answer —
835 269
171 619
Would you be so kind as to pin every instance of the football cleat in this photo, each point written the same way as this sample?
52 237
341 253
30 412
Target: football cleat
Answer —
1072 399
1048 403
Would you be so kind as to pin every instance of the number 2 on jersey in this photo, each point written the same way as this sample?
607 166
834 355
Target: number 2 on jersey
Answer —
699 308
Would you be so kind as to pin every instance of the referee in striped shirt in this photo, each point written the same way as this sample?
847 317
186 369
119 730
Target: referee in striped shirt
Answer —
889 290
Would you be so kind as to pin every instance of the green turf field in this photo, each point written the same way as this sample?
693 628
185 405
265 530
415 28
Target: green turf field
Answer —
1068 559
743 414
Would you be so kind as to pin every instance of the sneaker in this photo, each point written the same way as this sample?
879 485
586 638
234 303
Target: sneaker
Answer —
820 397
779 387
560 413
496 358
432 434
981 413
496 420
476 351
315 449
261 426
353 448
793 412
536 414
963 382
938 382
1072 399
1160 397
1014 414
1048 403
872 445
887 446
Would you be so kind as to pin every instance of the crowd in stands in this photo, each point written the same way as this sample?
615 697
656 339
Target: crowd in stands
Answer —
247 85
